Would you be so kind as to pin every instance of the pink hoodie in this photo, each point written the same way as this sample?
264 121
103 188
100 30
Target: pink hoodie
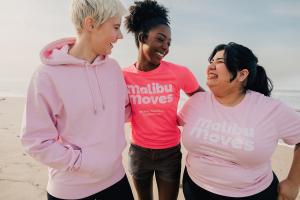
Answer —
74 121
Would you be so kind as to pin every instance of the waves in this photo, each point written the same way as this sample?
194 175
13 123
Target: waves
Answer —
290 97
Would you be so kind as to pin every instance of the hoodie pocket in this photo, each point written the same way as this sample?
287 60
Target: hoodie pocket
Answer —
97 162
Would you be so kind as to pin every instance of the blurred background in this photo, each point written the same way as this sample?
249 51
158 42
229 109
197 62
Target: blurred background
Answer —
271 28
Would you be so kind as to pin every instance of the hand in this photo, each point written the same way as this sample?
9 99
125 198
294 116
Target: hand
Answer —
287 190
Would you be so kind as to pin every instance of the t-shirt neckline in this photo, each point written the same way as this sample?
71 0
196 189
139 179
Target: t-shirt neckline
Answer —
157 69
235 107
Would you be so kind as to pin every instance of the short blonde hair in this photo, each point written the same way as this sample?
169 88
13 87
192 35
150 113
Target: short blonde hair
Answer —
99 10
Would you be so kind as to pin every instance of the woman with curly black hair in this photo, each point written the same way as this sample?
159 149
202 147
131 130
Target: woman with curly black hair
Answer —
154 88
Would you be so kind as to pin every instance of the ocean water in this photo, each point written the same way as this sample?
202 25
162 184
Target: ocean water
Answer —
18 88
290 97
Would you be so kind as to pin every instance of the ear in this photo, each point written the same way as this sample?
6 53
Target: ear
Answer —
142 37
243 74
88 23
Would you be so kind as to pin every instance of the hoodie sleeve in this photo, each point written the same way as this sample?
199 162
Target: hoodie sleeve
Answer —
39 135
127 104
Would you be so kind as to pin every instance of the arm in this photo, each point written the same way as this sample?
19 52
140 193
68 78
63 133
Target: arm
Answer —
128 113
289 188
39 136
200 89
179 121
189 82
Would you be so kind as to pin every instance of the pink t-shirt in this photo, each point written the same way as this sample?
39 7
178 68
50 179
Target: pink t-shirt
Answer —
154 98
229 148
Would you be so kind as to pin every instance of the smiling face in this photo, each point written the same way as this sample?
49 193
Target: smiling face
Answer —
155 46
217 72
219 79
218 76
103 37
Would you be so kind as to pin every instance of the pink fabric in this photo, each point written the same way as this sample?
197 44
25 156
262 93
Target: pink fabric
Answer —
154 98
229 148
74 123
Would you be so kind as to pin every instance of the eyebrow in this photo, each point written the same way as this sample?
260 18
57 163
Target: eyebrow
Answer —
218 59
161 34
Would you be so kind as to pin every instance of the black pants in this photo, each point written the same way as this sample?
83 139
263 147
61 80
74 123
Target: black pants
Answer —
192 191
119 190
164 163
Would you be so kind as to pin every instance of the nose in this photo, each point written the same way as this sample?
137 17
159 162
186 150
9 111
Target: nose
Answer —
165 47
120 35
211 66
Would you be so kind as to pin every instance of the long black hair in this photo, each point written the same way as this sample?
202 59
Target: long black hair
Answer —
145 15
238 57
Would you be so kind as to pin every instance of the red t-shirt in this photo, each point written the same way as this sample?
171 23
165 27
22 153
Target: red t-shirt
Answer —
154 97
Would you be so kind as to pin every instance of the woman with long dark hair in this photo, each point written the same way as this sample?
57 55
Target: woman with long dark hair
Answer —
231 133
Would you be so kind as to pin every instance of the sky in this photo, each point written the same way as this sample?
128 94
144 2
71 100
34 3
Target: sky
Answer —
271 28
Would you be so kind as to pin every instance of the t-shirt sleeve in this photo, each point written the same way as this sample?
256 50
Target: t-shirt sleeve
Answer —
189 83
288 125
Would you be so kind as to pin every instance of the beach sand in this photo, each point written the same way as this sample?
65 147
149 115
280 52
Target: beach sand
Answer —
21 177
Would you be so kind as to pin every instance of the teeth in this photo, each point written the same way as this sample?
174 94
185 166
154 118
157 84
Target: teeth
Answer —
160 54
212 76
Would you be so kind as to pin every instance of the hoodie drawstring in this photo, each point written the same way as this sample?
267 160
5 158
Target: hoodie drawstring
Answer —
100 90
91 90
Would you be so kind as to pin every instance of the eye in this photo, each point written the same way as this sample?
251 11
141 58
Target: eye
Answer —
160 39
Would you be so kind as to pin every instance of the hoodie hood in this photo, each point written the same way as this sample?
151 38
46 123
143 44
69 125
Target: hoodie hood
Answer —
56 54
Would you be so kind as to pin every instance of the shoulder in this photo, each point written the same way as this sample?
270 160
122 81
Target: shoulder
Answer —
264 103
111 67
173 66
202 96
261 99
113 63
194 105
179 71
128 69
199 98
43 72
43 79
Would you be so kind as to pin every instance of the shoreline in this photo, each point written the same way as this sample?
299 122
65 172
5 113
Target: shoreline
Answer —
21 177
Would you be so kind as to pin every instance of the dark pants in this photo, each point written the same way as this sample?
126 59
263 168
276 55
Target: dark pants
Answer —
119 190
192 191
164 163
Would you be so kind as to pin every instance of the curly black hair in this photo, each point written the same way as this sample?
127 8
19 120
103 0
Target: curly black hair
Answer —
145 15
